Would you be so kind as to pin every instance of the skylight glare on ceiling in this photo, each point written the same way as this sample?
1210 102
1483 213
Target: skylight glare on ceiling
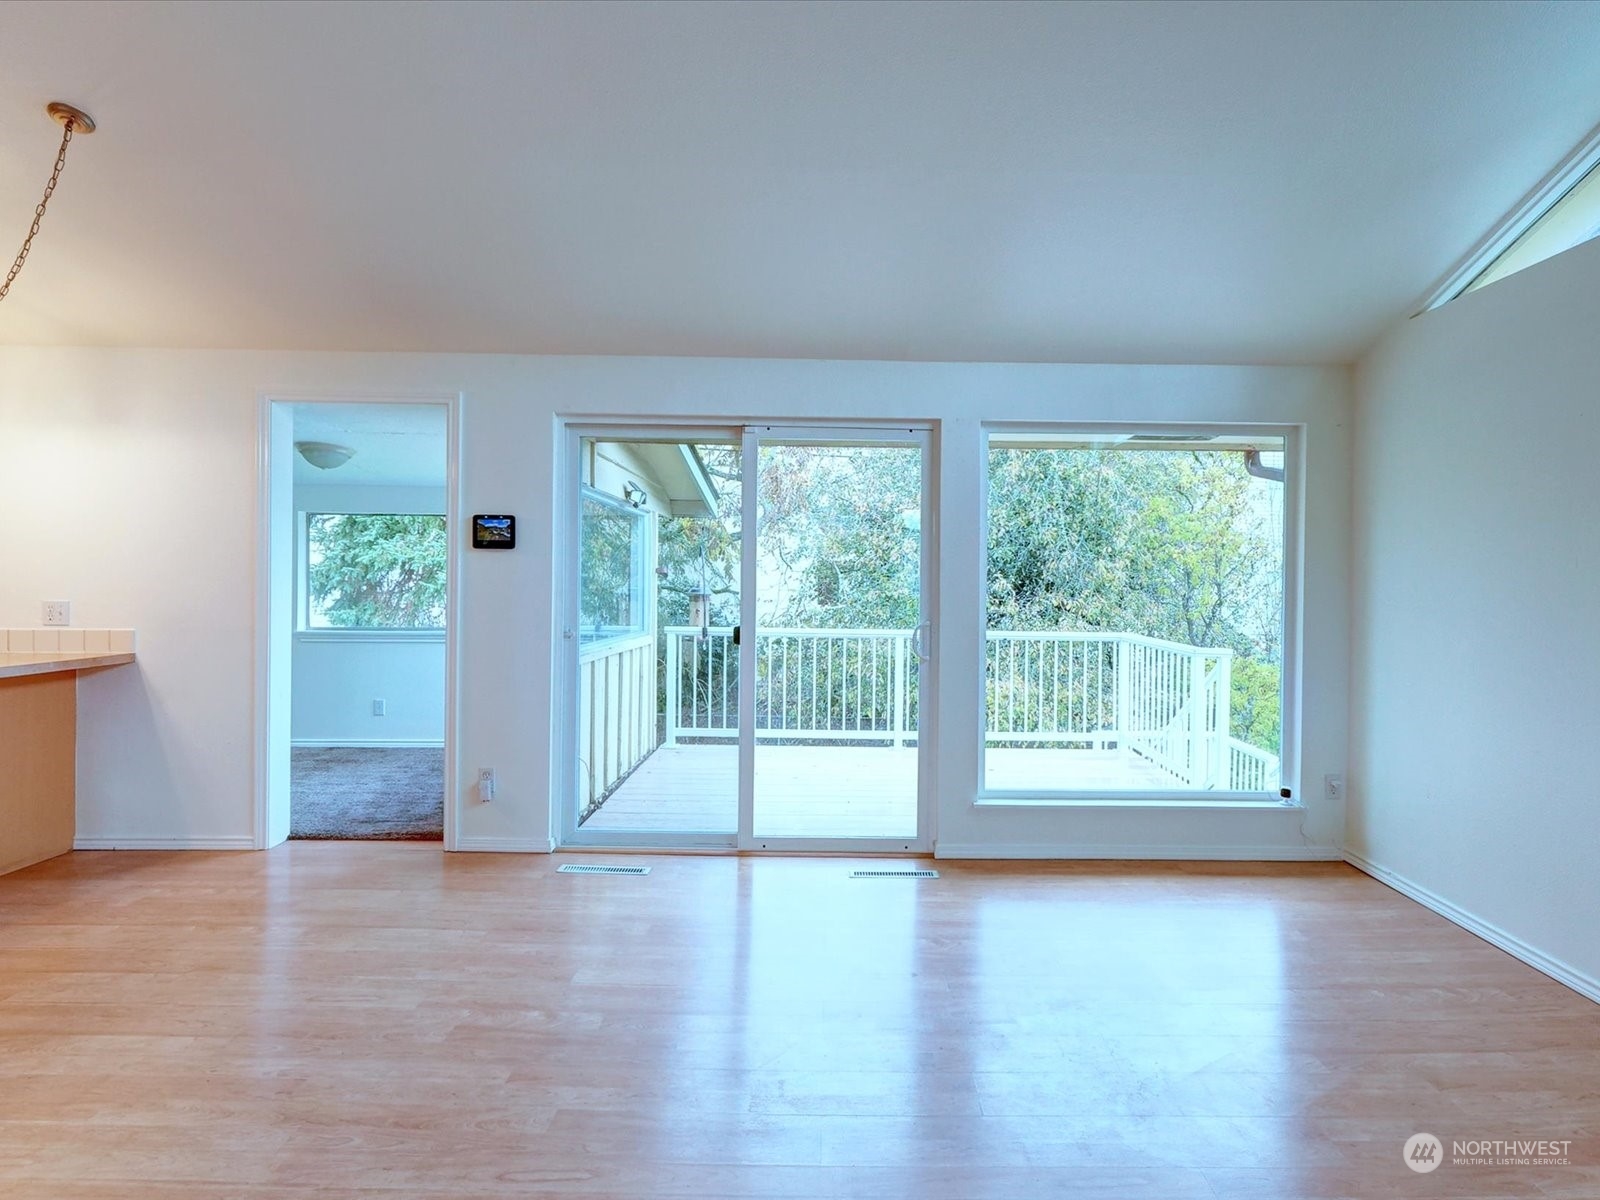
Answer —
1568 221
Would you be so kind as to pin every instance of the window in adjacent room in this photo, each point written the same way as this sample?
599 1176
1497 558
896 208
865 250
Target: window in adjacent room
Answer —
380 571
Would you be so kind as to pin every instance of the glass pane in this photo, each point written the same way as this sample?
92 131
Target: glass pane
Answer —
375 571
1135 614
658 683
838 603
611 546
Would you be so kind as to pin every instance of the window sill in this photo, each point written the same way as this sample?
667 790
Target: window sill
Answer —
1162 800
423 636
614 644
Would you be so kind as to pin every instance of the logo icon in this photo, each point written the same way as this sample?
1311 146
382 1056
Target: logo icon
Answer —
1423 1153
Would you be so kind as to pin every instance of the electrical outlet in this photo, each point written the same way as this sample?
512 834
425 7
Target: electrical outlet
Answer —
58 612
486 784
1333 786
380 708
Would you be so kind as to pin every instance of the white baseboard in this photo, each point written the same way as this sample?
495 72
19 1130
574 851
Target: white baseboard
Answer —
506 845
1584 985
149 843
1045 850
364 744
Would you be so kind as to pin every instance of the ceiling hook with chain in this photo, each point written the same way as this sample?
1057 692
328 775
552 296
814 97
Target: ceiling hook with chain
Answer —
72 120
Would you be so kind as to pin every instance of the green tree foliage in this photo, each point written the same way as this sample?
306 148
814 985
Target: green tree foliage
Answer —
377 571
1171 544
1182 545
838 537
1256 700
837 541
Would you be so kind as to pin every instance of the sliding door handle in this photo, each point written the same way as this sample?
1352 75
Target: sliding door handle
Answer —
919 640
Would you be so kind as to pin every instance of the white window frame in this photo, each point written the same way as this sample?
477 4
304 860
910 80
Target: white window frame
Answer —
305 631
1289 792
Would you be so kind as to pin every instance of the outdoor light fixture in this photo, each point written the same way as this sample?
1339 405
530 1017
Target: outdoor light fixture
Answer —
325 456
635 495
73 120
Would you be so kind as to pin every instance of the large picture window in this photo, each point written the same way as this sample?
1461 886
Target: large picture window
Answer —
379 571
1136 584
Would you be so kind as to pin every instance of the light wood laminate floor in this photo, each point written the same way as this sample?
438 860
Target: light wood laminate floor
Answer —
384 1020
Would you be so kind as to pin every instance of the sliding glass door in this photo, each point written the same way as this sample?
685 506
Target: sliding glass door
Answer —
747 647
839 636
657 571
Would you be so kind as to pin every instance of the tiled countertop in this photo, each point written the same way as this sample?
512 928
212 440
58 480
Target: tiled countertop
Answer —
48 662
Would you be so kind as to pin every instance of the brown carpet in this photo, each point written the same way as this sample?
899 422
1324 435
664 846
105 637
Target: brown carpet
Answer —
386 794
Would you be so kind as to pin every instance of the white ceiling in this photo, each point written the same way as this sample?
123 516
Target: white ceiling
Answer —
1096 182
394 444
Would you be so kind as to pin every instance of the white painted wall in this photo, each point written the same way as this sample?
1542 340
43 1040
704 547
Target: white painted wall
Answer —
1477 571
338 674
149 459
336 677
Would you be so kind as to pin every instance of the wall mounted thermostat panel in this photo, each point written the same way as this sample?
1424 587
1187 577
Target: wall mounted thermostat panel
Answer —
495 531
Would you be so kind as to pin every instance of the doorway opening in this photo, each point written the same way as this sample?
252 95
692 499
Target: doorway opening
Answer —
747 639
360 548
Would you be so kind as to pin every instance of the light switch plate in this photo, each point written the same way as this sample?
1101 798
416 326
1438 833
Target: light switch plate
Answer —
57 612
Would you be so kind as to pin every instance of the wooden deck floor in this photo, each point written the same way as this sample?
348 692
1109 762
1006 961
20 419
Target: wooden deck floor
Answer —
828 791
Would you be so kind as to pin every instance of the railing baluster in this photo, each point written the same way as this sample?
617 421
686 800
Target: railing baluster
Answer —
1011 691
875 710
829 693
1055 687
898 687
825 681
1027 685
694 689
856 676
674 687
845 675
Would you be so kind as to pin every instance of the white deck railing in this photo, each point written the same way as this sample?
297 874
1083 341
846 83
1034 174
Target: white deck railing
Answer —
1161 701
816 684
617 721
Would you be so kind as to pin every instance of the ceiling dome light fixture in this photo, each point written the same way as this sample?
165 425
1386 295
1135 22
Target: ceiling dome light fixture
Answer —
325 456
73 120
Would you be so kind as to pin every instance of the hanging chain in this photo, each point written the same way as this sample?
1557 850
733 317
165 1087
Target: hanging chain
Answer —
38 212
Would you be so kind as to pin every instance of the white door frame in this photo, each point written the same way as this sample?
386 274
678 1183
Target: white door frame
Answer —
748 434
275 601
920 436
564 642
